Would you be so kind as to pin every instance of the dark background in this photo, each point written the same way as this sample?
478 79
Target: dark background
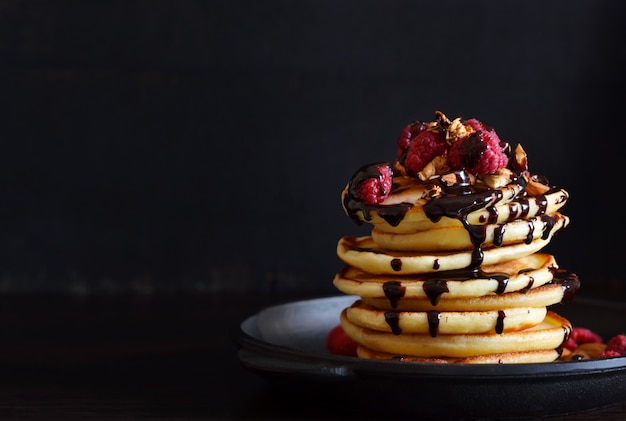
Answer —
187 145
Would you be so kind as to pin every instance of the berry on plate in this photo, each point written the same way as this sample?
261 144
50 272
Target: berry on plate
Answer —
582 335
339 343
617 344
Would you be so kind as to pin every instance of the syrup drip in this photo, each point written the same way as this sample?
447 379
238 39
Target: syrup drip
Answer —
459 201
394 291
393 320
434 288
569 282
500 322
433 323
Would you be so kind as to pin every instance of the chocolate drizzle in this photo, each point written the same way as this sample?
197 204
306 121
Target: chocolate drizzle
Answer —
500 322
458 202
393 320
437 283
569 282
498 235
434 288
433 323
393 291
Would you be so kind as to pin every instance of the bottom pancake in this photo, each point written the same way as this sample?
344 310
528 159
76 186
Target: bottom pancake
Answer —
539 356
549 334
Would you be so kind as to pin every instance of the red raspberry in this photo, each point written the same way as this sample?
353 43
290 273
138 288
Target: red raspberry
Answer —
617 344
339 343
421 150
478 154
488 132
609 354
374 183
582 335
409 132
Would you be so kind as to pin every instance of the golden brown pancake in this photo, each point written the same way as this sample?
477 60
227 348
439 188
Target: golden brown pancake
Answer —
539 356
543 296
450 238
445 322
523 273
364 254
549 334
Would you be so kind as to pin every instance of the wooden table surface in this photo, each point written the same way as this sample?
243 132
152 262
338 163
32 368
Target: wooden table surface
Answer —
166 357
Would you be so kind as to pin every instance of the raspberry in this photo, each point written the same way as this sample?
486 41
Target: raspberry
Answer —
609 354
421 150
582 335
478 153
339 343
488 132
617 344
409 132
373 183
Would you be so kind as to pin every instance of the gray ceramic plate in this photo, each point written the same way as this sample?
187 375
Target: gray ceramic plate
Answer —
286 344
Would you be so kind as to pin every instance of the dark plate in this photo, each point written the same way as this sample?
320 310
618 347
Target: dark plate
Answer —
286 345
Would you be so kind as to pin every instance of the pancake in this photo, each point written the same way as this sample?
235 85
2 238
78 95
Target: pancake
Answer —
519 274
551 333
452 270
364 254
543 296
406 201
538 356
449 238
436 323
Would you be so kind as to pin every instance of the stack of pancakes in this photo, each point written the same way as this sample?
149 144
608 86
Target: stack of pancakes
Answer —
453 271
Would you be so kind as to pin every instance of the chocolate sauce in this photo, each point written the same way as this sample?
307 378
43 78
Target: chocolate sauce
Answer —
392 214
531 231
393 320
524 208
500 322
393 291
548 222
498 235
542 203
528 286
569 282
436 284
458 202
433 288
503 281
433 323
492 213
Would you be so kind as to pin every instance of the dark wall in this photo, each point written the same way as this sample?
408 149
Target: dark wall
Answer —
203 145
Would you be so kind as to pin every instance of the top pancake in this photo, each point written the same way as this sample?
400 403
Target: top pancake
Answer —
404 210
